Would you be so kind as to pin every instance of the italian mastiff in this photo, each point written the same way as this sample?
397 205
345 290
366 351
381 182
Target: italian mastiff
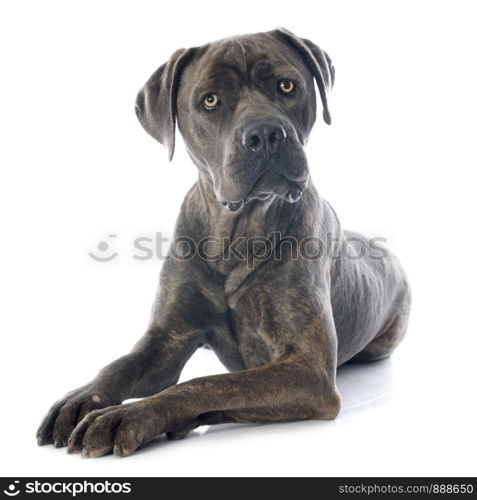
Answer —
274 285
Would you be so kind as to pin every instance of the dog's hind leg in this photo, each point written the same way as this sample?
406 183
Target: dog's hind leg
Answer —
383 345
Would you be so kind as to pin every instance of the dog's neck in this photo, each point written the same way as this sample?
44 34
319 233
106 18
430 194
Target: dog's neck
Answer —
229 235
204 219
256 219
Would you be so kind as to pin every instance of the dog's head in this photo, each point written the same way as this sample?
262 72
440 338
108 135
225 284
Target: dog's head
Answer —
244 106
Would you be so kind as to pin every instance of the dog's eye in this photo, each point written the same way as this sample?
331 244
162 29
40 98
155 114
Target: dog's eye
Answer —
211 101
286 86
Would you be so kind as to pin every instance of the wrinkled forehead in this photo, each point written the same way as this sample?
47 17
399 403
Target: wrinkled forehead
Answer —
246 58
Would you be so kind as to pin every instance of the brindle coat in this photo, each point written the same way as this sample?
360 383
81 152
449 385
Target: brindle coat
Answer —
282 325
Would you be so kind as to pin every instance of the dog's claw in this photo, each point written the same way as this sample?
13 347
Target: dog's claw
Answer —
118 451
58 443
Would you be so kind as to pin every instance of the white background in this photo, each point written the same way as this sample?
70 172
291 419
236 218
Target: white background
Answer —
398 162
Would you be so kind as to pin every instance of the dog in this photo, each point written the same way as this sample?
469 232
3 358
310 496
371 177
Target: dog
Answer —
282 325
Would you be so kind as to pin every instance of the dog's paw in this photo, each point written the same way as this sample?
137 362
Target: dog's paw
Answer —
65 414
119 429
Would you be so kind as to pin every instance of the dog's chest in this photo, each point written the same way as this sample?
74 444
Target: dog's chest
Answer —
256 348
239 347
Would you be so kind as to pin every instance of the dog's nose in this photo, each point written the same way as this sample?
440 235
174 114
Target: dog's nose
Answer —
263 137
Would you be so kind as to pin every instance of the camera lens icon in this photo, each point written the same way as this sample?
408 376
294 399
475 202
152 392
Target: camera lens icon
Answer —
104 255
12 490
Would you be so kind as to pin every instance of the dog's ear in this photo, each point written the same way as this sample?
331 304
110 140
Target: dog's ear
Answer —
156 102
319 63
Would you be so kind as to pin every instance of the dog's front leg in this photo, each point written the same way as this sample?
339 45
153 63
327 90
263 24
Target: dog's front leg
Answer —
154 364
300 384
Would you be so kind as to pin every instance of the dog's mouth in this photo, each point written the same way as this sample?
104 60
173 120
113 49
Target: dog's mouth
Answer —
267 186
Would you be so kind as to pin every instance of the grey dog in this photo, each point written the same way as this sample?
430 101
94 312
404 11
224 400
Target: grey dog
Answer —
280 321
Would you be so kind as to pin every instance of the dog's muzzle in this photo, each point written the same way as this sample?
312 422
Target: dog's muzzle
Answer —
262 139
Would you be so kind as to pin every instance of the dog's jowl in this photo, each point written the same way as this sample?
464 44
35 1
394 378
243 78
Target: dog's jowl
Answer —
296 296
